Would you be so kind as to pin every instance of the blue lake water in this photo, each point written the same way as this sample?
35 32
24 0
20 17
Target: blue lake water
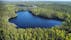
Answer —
25 19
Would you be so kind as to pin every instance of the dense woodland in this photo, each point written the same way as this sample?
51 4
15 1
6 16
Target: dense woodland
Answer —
8 31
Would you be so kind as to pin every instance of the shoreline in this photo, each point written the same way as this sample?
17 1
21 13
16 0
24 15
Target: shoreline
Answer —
53 18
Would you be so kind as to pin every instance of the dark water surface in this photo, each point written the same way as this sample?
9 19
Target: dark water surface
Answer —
25 19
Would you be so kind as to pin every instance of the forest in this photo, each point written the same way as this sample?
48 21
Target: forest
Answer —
51 10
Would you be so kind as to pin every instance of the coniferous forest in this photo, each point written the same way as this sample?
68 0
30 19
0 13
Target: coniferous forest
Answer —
49 10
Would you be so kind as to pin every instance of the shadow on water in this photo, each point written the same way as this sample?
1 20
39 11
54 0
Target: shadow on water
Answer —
25 19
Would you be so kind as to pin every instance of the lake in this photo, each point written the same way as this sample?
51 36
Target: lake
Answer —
25 19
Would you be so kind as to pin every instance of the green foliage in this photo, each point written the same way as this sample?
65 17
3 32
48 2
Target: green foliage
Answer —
8 31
